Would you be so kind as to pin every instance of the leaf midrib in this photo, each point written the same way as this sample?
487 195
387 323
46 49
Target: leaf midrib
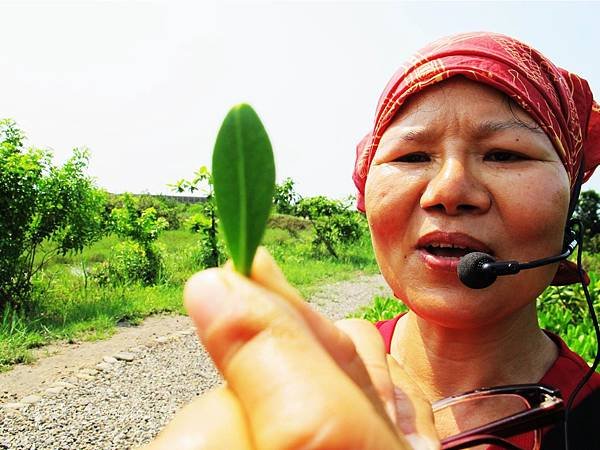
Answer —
242 194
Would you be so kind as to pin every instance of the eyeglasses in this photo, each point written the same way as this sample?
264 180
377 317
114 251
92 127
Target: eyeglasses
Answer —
506 416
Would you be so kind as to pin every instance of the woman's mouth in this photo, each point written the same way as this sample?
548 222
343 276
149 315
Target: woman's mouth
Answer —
443 251
448 250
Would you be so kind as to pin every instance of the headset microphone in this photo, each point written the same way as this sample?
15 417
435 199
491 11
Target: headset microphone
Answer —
479 270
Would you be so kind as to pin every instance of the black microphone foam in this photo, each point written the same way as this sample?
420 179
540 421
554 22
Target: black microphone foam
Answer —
471 272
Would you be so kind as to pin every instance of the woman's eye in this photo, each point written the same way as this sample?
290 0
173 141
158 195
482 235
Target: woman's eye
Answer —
413 158
504 156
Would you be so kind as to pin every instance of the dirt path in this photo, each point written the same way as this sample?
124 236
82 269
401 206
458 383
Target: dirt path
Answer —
63 361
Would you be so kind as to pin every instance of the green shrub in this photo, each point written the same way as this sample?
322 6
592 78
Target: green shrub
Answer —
167 209
381 308
564 311
591 261
588 211
571 299
577 333
47 211
333 221
206 221
140 229
197 222
292 224
203 255
130 262
285 197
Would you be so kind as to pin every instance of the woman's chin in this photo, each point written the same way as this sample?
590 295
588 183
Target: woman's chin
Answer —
455 306
435 293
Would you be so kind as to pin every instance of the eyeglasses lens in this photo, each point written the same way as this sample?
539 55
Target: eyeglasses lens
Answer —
474 412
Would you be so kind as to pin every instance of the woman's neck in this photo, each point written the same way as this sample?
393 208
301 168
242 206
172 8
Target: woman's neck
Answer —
446 362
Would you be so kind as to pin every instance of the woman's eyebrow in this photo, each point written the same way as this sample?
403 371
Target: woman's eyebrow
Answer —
412 134
482 130
487 128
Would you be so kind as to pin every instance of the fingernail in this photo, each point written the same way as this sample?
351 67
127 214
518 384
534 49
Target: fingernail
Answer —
421 442
206 297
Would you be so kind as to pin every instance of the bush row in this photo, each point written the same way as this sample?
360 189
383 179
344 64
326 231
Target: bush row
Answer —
50 211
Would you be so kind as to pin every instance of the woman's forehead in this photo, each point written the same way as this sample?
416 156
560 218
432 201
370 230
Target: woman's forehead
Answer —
478 109
461 96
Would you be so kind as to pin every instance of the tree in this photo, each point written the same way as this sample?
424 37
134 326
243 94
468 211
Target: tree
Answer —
285 197
138 258
588 211
333 221
207 224
45 211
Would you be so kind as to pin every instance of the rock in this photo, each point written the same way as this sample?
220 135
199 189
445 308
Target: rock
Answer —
90 372
162 339
84 376
104 366
186 332
125 356
13 405
31 399
54 390
109 360
136 349
64 384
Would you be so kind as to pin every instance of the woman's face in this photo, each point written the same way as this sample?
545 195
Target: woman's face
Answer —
460 170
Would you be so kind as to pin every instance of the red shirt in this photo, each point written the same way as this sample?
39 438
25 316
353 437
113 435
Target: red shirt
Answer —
564 374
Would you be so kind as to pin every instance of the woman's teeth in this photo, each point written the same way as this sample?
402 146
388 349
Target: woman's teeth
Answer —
448 250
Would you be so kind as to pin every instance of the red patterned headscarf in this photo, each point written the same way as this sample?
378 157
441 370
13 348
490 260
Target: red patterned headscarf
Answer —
559 101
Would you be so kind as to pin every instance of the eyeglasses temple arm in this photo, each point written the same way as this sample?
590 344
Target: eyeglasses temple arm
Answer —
477 439
509 426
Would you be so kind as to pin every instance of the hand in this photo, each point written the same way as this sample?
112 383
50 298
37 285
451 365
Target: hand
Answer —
294 380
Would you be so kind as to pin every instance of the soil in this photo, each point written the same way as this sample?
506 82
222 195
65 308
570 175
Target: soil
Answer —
62 360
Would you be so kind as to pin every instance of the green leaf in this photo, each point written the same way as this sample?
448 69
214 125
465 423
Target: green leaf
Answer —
244 180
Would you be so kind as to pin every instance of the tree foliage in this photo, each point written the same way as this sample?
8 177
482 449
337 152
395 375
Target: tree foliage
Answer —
45 211
588 211
285 197
140 226
137 258
210 251
334 222
168 209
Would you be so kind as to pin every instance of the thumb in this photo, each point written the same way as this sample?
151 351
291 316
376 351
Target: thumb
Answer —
215 420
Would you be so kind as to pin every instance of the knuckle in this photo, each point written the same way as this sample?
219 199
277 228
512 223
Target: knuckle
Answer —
239 325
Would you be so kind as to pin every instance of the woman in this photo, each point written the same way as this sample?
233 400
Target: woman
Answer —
479 144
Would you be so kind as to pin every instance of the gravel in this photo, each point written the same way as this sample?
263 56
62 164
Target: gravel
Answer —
126 399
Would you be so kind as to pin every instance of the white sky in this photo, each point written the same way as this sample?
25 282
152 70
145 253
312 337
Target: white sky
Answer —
146 84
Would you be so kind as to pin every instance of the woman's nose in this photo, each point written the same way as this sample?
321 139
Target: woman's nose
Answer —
455 189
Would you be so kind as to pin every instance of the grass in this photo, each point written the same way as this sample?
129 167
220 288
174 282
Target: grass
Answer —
306 269
70 306
564 311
